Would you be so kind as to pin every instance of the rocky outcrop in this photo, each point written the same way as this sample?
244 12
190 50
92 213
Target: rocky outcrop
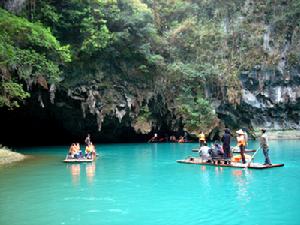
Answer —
269 99
13 5
272 99
7 156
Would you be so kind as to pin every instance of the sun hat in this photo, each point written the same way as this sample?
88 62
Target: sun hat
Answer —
240 131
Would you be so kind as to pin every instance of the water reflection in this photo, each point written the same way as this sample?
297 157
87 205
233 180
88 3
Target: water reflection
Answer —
242 178
205 179
75 170
218 170
90 172
237 173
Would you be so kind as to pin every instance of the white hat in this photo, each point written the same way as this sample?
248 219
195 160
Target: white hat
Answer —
240 131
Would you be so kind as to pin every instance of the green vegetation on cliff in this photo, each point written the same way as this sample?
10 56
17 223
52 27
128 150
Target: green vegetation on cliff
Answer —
190 52
29 53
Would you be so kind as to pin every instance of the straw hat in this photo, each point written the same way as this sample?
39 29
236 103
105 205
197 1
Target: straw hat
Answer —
240 131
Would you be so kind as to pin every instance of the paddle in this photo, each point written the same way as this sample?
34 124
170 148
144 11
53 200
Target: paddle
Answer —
253 156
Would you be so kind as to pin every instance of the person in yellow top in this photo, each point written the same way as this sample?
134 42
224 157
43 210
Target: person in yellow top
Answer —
90 151
202 139
241 142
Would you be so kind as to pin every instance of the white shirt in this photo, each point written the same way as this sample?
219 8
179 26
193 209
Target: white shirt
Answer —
264 142
204 150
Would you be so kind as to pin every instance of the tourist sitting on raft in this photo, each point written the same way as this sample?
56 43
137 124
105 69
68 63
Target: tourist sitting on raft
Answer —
75 151
173 138
90 151
181 139
154 138
184 139
217 150
204 153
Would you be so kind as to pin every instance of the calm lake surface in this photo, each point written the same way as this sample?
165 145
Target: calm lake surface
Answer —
142 184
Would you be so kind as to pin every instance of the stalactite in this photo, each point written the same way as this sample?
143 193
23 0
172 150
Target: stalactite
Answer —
52 91
40 100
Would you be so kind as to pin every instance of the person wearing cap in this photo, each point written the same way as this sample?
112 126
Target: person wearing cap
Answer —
226 144
241 142
264 144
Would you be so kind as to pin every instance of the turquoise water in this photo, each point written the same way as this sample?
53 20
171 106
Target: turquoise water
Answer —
142 184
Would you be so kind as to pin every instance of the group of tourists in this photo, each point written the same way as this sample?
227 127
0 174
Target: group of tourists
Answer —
76 153
224 150
181 139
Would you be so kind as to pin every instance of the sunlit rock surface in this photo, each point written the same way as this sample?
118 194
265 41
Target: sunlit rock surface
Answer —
7 156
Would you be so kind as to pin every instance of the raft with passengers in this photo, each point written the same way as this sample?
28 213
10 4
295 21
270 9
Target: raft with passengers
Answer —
75 155
223 155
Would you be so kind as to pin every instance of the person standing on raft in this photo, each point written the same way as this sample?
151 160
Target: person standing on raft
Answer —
264 144
246 136
241 142
226 144
87 140
202 139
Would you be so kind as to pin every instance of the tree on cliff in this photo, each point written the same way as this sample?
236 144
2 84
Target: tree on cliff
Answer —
190 52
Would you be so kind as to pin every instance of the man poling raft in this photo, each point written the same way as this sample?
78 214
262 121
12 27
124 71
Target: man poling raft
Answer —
264 145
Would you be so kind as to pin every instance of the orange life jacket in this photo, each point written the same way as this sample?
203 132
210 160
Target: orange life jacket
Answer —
241 140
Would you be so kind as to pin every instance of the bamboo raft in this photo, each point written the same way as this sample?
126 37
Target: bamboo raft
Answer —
79 160
198 161
234 151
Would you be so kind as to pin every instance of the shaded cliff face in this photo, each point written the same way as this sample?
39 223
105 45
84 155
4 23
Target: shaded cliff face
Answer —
273 99
117 110
124 113
268 100
130 112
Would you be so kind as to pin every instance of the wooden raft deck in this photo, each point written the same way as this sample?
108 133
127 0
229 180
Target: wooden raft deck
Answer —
198 161
78 160
246 151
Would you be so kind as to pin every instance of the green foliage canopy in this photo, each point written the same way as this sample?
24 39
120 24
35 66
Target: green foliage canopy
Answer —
28 53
